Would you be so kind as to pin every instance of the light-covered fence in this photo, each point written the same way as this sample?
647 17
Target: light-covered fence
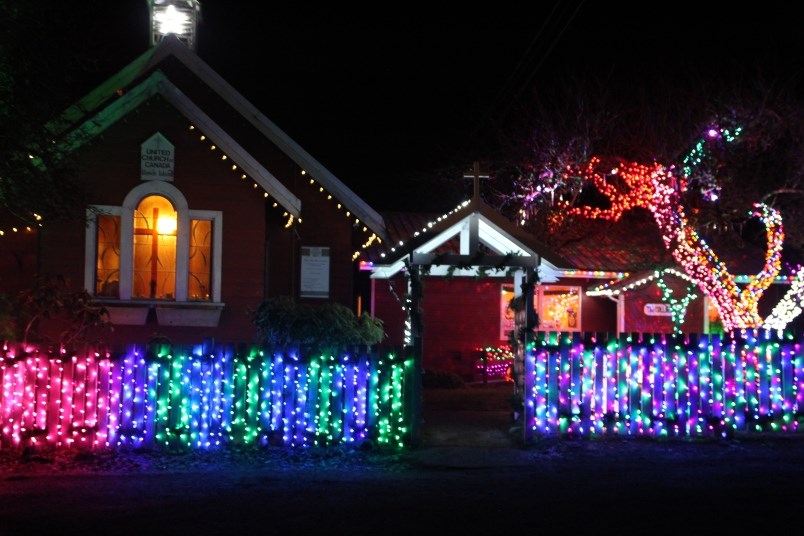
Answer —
663 385
575 385
197 397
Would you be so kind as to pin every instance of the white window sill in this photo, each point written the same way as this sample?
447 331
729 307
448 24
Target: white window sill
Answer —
135 312
189 314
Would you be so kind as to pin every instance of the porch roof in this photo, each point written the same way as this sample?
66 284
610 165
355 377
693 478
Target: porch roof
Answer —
471 239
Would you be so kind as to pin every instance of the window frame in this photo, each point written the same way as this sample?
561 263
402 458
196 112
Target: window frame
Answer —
126 214
540 302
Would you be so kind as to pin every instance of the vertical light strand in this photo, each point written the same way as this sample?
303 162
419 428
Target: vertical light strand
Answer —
682 379
104 390
348 379
658 402
16 406
66 406
31 390
786 398
162 420
553 389
337 403
622 425
266 380
6 401
536 396
288 380
588 372
717 365
323 409
698 422
360 416
751 388
127 426
198 437
114 401
139 402
574 354
797 359
91 399
396 418
217 379
252 399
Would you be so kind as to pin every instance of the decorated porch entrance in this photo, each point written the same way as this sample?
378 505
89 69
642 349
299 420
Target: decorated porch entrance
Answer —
476 241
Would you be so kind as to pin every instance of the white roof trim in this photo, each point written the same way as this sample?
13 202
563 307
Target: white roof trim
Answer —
440 238
472 229
500 241
172 45
233 150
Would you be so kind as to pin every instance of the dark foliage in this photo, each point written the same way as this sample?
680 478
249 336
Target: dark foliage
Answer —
49 57
53 312
330 327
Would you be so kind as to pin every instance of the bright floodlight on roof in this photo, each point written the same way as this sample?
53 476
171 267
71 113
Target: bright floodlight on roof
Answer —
178 17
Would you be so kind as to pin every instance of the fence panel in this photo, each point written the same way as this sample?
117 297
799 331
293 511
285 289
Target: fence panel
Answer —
664 385
181 398
633 384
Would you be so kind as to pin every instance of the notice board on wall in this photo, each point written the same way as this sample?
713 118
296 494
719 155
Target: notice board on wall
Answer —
314 272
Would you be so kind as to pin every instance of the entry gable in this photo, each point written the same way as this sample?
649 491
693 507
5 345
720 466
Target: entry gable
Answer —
471 239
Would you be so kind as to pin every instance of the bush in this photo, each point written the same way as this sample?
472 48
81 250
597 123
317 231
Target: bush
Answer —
8 319
330 327
52 311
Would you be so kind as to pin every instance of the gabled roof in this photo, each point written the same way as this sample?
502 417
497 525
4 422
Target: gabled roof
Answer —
637 280
631 244
152 74
472 235
158 84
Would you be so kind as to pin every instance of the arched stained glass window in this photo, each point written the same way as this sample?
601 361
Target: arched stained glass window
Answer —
154 262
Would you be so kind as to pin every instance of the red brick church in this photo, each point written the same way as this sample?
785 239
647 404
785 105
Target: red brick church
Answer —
198 208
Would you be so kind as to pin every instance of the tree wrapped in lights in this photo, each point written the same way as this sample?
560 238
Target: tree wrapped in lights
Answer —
705 185
790 306
629 185
720 137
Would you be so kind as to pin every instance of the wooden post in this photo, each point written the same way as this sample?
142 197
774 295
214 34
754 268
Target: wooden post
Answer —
417 394
526 323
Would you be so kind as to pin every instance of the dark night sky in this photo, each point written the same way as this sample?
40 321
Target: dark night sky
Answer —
377 96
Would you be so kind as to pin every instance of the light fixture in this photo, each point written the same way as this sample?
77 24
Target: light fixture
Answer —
177 17
166 225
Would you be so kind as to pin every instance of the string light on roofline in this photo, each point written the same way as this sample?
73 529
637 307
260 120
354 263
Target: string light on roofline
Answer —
17 230
594 274
429 225
23 230
339 206
243 176
607 290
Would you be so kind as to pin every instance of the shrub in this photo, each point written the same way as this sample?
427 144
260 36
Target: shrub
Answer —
330 327
52 311
8 319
